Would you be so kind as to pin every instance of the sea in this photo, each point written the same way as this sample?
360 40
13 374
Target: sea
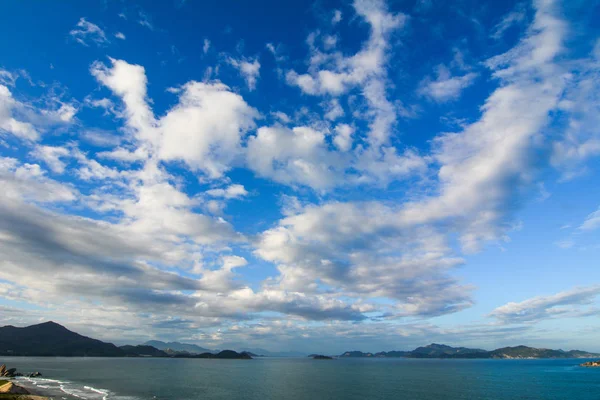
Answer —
308 379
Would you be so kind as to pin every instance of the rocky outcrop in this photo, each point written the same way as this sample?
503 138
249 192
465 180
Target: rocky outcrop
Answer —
10 387
7 373
591 364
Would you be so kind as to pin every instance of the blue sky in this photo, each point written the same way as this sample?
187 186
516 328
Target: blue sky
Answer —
318 175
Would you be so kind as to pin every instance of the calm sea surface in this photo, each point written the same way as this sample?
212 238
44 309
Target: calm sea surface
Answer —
307 379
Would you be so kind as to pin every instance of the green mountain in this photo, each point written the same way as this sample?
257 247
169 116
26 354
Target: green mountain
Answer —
52 339
443 351
435 350
530 352
142 351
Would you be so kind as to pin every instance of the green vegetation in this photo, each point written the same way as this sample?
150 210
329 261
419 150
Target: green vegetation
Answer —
442 351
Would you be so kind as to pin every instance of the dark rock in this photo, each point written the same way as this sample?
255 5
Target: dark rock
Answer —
321 357
591 364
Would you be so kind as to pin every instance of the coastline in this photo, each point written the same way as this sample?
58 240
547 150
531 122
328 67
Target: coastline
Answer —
19 391
48 389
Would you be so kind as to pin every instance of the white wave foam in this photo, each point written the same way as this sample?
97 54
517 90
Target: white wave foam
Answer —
60 388
103 392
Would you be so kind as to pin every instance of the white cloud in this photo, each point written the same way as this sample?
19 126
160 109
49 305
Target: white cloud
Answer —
282 117
591 222
446 87
234 191
337 17
206 46
248 68
334 110
544 307
293 156
343 137
7 78
145 21
101 138
364 250
581 104
120 35
86 32
52 155
483 167
329 42
514 17
204 129
8 123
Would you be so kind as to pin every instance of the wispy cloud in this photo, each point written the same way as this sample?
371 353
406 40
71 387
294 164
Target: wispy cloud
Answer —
562 304
86 32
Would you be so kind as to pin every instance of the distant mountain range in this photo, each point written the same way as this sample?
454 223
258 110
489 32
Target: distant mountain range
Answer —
435 350
266 353
52 339
176 346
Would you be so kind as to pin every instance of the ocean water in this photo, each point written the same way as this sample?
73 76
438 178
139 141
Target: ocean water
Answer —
307 379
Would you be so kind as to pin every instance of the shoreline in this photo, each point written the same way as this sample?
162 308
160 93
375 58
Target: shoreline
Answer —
19 391
48 389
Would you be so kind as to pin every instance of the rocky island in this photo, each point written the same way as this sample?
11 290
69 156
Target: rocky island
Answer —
320 357
591 364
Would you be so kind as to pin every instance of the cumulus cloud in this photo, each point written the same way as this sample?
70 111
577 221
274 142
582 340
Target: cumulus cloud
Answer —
86 32
333 74
293 156
204 129
365 250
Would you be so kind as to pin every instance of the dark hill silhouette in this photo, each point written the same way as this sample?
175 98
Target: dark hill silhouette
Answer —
142 351
52 339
